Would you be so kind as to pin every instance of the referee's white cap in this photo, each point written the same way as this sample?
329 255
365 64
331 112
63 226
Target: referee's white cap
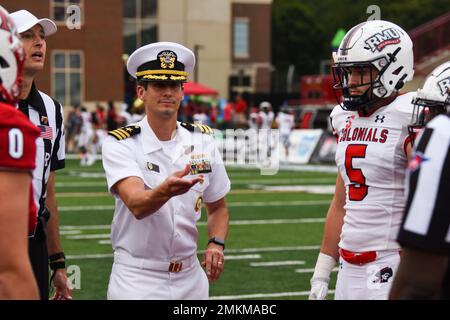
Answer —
161 61
25 20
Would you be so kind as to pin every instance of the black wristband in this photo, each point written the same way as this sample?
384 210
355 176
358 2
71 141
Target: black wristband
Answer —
56 256
57 265
218 241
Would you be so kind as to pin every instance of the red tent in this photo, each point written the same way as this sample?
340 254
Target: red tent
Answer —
194 88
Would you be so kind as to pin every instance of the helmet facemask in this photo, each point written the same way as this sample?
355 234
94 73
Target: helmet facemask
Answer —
424 111
367 98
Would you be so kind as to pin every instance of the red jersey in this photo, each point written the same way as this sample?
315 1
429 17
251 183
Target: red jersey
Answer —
18 148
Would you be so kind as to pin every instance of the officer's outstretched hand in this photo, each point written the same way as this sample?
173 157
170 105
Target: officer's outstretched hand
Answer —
175 185
213 261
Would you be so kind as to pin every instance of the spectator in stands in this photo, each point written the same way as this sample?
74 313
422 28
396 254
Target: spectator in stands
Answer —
73 127
111 117
285 123
240 112
228 115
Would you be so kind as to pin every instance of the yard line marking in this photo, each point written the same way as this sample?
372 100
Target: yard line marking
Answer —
68 232
311 270
237 222
272 249
265 295
243 257
91 256
249 250
80 184
246 182
93 227
204 223
107 194
86 208
317 189
228 251
278 203
270 221
282 180
111 255
200 224
277 263
89 236
231 204
81 194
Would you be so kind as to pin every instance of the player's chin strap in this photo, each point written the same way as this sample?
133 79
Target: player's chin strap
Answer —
55 265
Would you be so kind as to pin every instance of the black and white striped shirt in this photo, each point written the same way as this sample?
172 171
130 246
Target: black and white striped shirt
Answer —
427 217
47 114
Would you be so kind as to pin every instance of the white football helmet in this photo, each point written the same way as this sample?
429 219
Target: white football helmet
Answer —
11 59
377 44
432 99
265 106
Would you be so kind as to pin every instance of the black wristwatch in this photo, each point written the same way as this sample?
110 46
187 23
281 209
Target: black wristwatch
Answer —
218 241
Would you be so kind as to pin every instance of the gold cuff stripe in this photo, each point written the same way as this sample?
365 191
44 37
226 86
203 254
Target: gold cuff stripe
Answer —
149 72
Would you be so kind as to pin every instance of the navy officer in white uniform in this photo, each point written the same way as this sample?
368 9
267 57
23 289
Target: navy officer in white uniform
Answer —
160 171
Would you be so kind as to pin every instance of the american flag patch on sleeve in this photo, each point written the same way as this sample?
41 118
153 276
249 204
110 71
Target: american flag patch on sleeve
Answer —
46 132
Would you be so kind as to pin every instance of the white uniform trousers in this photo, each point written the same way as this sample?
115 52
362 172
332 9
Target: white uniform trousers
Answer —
134 283
371 281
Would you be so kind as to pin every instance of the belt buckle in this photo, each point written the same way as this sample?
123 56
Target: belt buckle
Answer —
175 266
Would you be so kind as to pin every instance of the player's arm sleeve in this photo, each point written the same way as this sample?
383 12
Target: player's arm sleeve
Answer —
118 162
59 148
219 183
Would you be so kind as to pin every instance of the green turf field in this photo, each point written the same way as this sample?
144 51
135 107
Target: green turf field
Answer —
272 244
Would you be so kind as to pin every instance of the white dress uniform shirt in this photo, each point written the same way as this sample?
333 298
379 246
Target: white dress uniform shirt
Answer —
170 233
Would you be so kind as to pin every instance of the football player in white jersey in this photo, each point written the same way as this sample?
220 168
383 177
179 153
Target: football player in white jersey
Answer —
266 115
432 99
285 121
373 62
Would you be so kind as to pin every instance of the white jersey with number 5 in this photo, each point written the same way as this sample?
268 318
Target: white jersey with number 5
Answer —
371 158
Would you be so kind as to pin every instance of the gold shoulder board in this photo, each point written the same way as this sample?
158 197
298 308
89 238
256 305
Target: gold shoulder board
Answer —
197 127
125 132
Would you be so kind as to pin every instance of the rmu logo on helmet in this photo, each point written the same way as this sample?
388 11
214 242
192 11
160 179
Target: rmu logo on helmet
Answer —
444 85
382 39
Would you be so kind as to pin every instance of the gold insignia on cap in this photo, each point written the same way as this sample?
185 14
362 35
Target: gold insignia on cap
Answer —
167 59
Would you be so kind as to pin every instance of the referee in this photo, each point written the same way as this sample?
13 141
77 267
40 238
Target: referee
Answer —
47 114
424 271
